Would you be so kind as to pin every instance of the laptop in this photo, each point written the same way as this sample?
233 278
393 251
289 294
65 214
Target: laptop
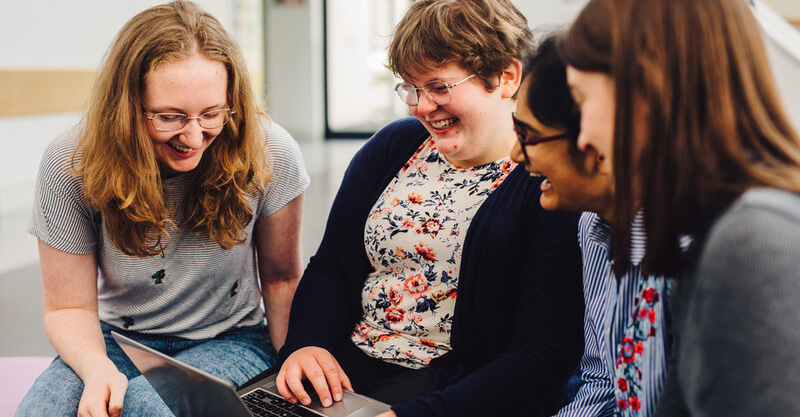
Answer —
189 391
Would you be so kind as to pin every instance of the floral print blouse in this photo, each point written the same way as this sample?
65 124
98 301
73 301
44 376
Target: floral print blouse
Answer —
414 236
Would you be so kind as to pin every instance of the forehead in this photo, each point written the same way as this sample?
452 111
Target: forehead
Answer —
193 80
589 80
446 72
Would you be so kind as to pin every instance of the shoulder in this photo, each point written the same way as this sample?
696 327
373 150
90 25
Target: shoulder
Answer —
59 157
401 136
758 237
758 213
779 202
278 139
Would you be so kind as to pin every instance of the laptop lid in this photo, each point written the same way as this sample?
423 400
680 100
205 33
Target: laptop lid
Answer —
189 391
186 390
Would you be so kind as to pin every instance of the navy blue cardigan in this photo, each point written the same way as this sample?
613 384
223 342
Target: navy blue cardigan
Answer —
517 330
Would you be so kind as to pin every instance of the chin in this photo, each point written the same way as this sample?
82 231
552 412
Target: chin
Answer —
549 205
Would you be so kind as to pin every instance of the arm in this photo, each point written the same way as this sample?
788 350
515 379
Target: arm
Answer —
277 240
327 302
547 331
73 327
595 396
738 352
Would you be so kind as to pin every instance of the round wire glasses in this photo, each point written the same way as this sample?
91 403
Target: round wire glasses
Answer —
436 91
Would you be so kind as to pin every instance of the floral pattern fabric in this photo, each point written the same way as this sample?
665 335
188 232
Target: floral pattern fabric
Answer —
638 335
413 237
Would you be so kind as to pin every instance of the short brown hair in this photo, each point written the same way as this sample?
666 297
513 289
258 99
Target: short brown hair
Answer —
481 36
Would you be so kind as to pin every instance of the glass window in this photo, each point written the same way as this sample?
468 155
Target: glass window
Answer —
360 95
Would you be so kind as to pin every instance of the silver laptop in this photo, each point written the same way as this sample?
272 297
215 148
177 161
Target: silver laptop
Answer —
189 391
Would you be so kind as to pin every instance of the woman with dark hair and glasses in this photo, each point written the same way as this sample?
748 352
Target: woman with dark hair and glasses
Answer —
170 214
627 319
441 286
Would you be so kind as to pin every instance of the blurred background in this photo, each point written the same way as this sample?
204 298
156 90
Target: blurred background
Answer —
319 65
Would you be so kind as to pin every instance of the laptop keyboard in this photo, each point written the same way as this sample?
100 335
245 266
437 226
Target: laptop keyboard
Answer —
266 404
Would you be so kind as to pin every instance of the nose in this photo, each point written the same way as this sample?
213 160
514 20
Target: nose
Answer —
517 154
426 105
583 142
192 134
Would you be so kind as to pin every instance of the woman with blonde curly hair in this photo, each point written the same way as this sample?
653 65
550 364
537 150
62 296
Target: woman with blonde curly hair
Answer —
168 215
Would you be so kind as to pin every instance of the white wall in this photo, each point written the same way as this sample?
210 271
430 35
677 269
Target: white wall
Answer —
294 68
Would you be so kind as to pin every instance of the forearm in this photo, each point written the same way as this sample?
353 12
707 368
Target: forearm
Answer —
278 296
76 336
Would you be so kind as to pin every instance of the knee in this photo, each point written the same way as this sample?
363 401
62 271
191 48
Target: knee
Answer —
56 392
142 400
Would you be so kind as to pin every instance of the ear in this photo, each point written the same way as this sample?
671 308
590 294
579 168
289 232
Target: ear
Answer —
511 78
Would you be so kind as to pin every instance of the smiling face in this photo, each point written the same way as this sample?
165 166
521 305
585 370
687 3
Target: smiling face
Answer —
572 183
474 128
190 86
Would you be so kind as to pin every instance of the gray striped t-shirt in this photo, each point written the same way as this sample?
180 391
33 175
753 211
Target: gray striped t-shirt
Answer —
197 289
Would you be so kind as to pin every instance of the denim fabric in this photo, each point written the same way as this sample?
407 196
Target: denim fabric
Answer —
236 355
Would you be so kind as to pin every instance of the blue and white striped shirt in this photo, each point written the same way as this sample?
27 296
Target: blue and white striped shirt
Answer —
625 327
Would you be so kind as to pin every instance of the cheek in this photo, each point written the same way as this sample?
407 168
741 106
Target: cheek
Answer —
156 136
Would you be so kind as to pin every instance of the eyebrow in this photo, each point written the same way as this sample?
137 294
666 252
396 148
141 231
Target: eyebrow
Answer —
525 126
180 111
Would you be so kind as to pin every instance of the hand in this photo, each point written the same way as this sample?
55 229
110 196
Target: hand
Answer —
103 393
387 414
320 368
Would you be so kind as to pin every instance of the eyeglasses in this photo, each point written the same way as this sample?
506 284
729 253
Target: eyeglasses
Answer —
436 91
170 122
525 139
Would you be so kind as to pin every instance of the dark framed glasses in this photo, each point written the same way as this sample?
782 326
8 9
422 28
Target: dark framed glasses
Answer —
526 137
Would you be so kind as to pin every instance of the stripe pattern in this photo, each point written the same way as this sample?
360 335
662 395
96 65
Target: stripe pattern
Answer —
610 308
196 290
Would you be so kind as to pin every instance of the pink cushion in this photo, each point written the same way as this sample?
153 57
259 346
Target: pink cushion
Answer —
17 374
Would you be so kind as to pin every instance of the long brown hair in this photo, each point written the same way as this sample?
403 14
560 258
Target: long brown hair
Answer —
715 124
115 157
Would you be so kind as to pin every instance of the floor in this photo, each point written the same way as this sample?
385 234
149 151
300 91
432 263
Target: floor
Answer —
21 319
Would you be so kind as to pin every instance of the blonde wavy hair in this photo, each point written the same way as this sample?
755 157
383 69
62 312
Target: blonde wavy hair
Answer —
115 156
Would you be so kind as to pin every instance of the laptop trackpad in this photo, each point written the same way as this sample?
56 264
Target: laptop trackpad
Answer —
350 402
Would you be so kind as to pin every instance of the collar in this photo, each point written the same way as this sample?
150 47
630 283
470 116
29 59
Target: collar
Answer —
600 233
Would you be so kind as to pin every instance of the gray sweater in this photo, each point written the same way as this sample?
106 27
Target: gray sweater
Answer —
739 337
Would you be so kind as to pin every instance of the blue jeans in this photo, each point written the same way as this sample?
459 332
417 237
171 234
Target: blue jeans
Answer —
236 355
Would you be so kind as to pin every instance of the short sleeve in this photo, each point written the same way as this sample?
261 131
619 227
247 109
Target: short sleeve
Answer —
289 175
60 216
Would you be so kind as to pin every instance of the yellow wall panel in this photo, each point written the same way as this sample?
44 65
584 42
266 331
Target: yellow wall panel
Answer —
36 92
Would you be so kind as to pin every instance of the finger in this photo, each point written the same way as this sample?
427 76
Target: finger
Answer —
345 379
332 369
117 396
283 387
319 380
295 384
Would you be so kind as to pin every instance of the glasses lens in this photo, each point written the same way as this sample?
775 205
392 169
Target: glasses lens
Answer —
438 92
214 119
168 122
408 94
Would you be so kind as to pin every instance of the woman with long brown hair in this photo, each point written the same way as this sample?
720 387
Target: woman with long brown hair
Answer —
679 99
168 215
